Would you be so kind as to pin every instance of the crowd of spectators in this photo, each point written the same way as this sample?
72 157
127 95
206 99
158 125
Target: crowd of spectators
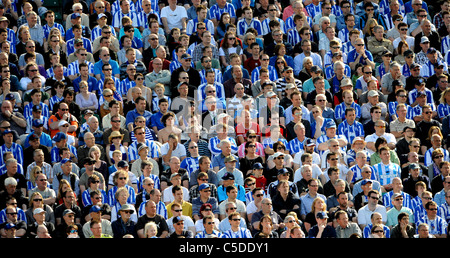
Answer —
224 119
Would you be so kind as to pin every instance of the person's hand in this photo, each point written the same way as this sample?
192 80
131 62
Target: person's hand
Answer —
321 227
320 120
7 113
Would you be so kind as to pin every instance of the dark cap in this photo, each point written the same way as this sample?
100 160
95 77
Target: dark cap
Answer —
10 96
33 137
37 108
282 171
228 176
316 69
258 165
186 56
177 219
431 50
322 215
122 164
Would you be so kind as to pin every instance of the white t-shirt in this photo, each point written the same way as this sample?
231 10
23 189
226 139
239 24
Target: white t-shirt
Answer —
231 50
174 17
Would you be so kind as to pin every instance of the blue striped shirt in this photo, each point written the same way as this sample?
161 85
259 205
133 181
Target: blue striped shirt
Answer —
242 26
97 32
289 24
444 211
407 200
273 75
218 76
428 160
71 45
117 19
190 164
392 109
215 11
220 91
86 197
266 29
125 85
339 110
74 67
368 229
155 178
54 153
241 233
357 173
313 10
412 96
203 234
295 145
112 195
215 150
443 110
191 26
27 111
20 215
55 25
417 110
436 226
351 131
133 151
15 149
385 173
143 17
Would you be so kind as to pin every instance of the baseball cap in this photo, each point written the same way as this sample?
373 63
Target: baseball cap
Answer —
181 83
395 195
33 137
62 122
9 96
174 175
177 219
186 56
68 211
283 171
37 123
357 139
127 207
414 65
365 181
330 124
95 208
204 186
101 16
228 176
270 94
413 166
38 210
10 226
230 158
258 165
372 93
75 15
77 41
322 215
346 82
59 136
64 161
424 39
431 50
316 69
7 132
122 164
37 108
309 142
